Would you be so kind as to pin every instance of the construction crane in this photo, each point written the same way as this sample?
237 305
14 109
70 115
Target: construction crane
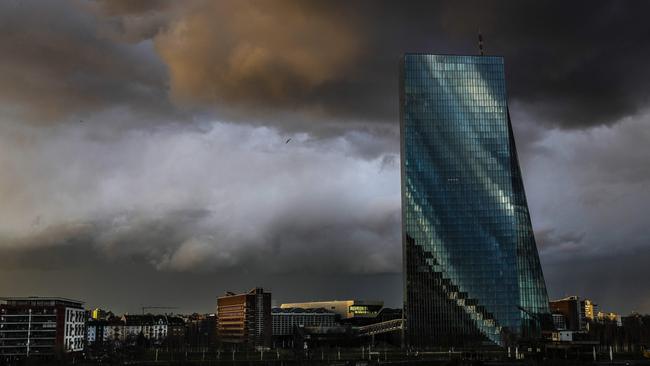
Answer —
157 307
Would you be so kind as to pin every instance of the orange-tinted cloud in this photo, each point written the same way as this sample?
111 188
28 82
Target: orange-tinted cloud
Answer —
259 51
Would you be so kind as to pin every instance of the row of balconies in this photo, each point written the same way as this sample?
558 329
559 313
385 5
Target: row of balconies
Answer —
27 326
26 321
23 333
34 312
26 316
32 343
26 330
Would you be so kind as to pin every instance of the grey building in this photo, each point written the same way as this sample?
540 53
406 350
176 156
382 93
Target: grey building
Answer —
286 319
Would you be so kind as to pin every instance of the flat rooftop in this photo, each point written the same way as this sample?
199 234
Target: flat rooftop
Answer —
39 300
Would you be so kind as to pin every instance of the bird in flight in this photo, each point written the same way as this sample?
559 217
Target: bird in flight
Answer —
288 140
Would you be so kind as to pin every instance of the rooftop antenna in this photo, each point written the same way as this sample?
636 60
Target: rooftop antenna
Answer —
480 43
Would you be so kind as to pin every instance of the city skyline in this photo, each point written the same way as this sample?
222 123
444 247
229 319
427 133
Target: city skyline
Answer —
160 154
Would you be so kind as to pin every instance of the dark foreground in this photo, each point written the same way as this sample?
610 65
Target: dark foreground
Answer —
342 357
364 363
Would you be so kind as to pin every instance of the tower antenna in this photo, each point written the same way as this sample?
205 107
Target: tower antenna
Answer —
480 43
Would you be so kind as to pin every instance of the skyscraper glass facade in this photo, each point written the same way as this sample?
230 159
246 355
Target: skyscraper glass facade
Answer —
472 272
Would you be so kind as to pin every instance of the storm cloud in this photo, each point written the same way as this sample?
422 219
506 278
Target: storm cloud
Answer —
211 199
283 62
150 138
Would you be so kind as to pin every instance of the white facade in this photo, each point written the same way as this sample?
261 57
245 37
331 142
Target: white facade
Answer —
154 328
114 332
563 336
91 334
132 331
156 331
74 330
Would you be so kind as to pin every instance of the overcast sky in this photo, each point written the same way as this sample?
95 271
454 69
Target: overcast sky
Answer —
144 156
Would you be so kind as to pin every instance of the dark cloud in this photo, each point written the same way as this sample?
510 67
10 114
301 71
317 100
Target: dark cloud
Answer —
283 62
550 240
613 280
190 200
179 180
588 194
316 240
572 65
57 64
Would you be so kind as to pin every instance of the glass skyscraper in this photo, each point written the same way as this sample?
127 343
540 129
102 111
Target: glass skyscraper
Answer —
472 271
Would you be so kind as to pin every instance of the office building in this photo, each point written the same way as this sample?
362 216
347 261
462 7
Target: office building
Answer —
95 330
176 328
41 326
113 331
590 310
559 321
573 309
245 318
152 327
472 271
286 319
202 330
610 317
345 309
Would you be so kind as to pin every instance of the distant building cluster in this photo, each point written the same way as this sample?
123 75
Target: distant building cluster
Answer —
129 328
247 319
52 326
573 317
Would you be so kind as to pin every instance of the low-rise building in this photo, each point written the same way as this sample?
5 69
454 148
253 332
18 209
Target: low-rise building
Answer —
31 326
346 309
603 317
201 330
100 314
563 336
286 319
559 321
128 328
590 310
95 331
155 328
114 331
176 327
573 309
